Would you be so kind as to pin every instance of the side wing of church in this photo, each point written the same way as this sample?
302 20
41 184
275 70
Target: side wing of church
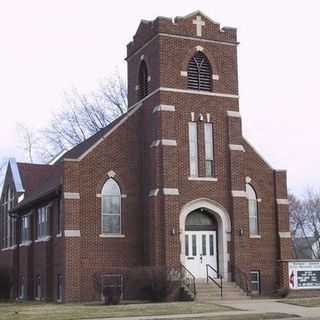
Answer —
172 183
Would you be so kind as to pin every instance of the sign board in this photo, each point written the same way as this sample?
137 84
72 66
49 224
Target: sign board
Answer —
304 274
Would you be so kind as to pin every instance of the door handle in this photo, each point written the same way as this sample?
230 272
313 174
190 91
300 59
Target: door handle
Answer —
200 258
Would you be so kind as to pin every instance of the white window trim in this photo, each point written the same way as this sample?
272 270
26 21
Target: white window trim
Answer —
111 235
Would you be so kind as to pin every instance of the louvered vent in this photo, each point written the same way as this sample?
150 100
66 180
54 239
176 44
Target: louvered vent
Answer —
199 73
143 80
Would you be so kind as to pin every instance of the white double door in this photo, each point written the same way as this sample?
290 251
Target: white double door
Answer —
200 250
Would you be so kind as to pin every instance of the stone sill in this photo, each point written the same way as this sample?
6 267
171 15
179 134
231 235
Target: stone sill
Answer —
43 239
9 248
112 235
257 236
25 243
203 179
59 235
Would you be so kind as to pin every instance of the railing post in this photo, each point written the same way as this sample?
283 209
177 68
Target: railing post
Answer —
207 273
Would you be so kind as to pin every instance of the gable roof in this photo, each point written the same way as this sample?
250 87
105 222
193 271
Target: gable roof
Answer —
33 176
42 183
83 146
34 181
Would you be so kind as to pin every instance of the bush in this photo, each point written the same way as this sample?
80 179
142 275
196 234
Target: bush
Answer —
283 292
152 283
6 283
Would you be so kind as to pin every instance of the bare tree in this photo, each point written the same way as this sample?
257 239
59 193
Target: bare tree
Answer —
82 115
29 139
305 220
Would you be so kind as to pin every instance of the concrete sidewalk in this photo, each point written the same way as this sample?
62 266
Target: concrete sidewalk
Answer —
246 307
263 306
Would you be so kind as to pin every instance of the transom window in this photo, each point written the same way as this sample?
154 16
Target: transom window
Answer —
143 80
199 73
111 207
253 210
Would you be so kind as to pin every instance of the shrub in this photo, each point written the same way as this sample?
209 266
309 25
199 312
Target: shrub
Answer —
6 283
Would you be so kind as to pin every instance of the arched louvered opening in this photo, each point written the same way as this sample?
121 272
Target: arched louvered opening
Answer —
143 80
199 73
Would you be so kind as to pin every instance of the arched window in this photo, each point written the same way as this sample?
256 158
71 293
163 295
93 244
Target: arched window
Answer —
253 210
199 73
199 220
143 80
111 208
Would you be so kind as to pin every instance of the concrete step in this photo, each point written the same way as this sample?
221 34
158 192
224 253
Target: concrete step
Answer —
209 292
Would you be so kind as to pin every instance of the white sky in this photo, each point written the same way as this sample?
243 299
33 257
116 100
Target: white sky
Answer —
47 47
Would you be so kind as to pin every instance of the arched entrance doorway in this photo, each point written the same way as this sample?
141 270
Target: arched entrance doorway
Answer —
208 218
201 242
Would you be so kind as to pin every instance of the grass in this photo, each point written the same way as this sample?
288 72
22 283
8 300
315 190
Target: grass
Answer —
47 311
303 302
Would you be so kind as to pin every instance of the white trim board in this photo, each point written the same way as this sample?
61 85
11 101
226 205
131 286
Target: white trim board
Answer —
164 142
236 147
203 93
170 191
71 195
234 44
138 105
282 201
164 107
72 233
239 194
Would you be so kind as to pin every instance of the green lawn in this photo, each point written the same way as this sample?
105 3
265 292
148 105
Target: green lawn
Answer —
303 302
47 311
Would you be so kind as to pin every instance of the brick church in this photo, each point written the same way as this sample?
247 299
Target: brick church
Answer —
171 183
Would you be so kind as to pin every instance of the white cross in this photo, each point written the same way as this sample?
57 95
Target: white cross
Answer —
199 23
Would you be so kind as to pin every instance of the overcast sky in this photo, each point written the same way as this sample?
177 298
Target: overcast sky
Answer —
48 47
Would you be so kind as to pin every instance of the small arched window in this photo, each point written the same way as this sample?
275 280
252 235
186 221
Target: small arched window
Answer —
111 208
143 80
253 210
199 73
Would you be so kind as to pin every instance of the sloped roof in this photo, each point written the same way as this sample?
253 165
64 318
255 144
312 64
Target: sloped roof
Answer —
39 181
33 176
82 147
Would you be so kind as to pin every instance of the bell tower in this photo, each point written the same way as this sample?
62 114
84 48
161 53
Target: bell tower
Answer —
182 73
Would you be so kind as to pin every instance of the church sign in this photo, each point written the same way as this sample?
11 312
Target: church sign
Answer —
304 274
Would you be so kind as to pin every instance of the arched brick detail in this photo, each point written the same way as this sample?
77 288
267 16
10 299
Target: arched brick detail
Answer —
103 180
189 55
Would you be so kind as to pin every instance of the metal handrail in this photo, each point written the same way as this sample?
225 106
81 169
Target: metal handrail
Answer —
192 285
220 286
241 278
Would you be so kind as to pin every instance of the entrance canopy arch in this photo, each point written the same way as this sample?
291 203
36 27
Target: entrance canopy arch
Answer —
215 212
